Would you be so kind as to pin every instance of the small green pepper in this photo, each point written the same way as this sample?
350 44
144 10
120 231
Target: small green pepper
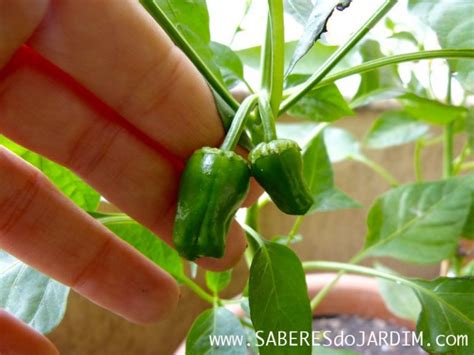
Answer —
213 185
278 167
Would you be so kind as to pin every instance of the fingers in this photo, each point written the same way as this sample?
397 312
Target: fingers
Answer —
41 115
18 20
46 230
126 59
16 338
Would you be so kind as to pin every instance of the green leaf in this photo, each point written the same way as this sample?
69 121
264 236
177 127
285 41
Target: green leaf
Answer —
386 77
430 110
320 179
218 281
229 63
468 182
332 200
213 325
376 95
394 128
325 104
452 21
226 114
447 309
401 300
278 297
149 245
418 223
189 16
314 27
66 181
31 296
340 144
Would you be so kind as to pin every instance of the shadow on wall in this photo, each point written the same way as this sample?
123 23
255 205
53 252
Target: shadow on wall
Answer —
88 329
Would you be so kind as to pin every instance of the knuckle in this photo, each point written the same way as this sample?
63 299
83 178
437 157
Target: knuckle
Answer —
86 273
92 146
17 203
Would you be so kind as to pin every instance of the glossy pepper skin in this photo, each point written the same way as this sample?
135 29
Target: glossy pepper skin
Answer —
278 167
213 186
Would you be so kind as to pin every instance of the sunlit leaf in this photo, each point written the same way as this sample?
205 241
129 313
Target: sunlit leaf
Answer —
319 177
452 21
315 25
394 128
36 299
66 181
213 325
401 300
419 223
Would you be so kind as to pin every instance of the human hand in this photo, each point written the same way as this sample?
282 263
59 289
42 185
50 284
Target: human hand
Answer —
114 49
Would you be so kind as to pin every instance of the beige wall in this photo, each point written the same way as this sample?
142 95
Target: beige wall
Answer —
89 330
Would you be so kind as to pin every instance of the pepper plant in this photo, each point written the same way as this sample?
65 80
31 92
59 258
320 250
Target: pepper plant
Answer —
421 222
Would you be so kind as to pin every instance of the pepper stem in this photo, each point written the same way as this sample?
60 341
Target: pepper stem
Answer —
268 119
238 123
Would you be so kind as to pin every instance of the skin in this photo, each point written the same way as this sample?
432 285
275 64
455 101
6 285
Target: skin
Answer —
117 51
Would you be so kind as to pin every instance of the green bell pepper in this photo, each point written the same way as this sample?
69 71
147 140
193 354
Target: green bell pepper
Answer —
278 167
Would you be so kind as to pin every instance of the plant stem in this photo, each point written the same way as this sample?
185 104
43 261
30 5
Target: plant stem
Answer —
160 17
263 200
325 290
448 138
378 169
268 119
386 61
197 289
239 26
115 219
433 141
419 145
344 267
251 233
266 59
458 162
277 30
337 56
272 66
238 123
294 229
246 324
252 220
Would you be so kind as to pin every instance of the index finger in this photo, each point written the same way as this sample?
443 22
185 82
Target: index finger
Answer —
47 231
